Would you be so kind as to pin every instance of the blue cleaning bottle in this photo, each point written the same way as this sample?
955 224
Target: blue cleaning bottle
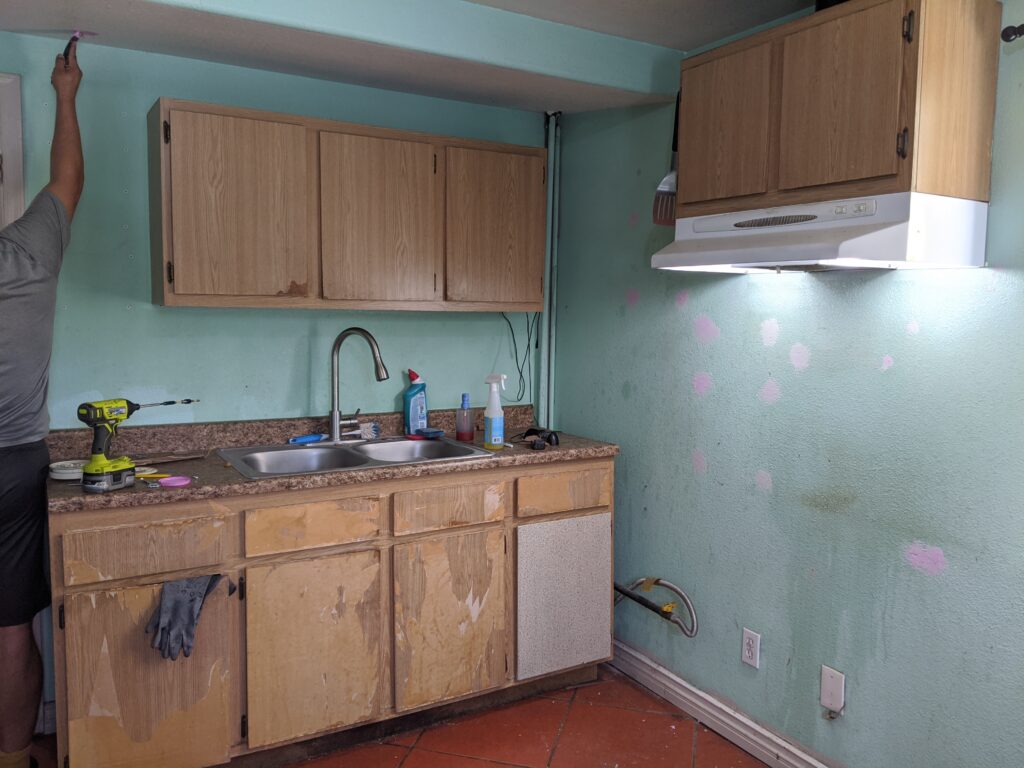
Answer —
414 405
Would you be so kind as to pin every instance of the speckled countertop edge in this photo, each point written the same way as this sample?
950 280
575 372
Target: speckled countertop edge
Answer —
217 480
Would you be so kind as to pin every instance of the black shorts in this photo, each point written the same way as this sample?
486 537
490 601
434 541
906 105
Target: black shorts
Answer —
24 583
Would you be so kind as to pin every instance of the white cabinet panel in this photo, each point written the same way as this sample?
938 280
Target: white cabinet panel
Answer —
564 594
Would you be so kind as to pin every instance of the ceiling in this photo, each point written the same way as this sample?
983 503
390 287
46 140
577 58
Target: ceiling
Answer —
681 24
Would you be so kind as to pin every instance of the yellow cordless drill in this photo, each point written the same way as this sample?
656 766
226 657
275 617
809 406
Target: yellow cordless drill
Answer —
104 474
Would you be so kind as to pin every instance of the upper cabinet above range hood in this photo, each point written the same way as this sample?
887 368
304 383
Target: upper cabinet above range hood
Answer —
858 136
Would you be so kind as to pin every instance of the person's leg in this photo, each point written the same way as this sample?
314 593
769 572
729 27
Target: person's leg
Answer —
23 593
21 685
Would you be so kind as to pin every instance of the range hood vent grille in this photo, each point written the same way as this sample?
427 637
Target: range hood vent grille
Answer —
774 221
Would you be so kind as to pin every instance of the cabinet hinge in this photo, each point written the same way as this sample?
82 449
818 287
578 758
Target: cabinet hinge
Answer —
167 132
241 588
170 271
908 27
543 175
435 282
245 726
67 762
435 164
60 616
902 139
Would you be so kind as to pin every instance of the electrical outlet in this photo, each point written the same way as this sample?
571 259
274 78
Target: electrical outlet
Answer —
751 651
833 689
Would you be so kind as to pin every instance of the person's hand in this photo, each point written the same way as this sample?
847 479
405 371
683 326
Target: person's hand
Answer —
66 75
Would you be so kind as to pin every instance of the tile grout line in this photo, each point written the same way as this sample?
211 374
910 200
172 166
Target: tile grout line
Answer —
470 757
561 726
693 750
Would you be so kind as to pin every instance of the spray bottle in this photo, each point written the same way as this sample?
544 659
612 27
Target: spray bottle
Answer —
494 417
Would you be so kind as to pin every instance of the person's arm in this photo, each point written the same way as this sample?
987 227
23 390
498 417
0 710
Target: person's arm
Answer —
67 168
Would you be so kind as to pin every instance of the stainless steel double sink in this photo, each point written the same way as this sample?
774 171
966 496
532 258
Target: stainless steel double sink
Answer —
275 461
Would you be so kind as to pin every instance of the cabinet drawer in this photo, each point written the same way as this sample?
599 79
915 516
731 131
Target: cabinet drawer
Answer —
270 530
105 554
431 509
564 491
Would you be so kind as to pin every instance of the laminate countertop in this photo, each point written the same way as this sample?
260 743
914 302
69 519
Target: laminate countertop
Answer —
218 479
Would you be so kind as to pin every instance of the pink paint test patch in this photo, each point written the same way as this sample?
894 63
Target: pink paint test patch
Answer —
705 329
800 357
770 332
769 393
681 298
913 327
926 559
634 219
700 463
702 383
632 297
763 481
887 363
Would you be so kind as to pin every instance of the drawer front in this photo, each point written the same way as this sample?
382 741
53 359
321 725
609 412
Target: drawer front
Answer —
564 491
105 554
270 530
431 509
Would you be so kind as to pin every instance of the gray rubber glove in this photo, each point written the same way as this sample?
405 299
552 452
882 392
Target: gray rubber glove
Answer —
174 622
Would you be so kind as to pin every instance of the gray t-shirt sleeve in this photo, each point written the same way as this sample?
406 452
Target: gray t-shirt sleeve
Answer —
42 233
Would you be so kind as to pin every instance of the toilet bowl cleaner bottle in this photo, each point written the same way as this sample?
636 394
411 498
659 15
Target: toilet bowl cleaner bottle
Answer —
414 404
494 417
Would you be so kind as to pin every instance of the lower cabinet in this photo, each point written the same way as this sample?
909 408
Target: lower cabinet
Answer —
450 617
358 605
564 594
314 645
127 706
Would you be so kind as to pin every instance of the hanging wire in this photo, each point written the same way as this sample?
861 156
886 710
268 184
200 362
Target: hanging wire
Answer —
524 365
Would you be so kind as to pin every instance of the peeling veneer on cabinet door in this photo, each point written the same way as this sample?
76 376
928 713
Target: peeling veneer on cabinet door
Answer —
127 706
449 617
313 645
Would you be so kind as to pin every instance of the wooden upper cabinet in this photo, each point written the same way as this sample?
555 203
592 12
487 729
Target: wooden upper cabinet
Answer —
382 231
724 126
841 99
868 97
496 213
241 205
128 706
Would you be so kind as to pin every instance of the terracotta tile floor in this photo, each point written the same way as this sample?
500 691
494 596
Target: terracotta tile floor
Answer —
612 723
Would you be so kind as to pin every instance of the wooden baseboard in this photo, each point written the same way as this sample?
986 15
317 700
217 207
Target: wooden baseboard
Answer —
729 722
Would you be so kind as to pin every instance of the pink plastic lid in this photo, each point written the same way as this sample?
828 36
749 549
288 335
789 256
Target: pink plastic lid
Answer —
175 481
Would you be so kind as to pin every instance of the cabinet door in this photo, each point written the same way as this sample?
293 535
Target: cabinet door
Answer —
564 594
313 644
381 218
724 126
841 84
496 213
129 707
240 206
449 617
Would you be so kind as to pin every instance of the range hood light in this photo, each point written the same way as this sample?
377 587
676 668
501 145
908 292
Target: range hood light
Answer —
902 230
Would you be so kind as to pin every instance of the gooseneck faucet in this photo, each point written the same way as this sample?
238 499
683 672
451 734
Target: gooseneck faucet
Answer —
381 372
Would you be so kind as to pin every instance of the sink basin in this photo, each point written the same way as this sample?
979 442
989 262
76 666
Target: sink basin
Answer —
276 461
406 451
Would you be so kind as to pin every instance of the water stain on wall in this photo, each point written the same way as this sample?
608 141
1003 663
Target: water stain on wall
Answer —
833 501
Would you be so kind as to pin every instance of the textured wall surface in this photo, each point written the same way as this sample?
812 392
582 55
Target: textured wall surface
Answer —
833 460
243 364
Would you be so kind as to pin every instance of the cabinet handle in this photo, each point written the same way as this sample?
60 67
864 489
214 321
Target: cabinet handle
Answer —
902 141
908 27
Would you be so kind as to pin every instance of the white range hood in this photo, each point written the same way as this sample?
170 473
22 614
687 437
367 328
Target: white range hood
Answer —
906 230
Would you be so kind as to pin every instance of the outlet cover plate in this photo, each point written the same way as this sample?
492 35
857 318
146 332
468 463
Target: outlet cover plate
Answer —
750 653
833 689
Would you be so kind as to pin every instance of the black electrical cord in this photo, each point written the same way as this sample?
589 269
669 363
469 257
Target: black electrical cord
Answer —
524 366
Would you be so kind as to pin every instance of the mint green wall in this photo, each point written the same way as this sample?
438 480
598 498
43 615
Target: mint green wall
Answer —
890 544
243 364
